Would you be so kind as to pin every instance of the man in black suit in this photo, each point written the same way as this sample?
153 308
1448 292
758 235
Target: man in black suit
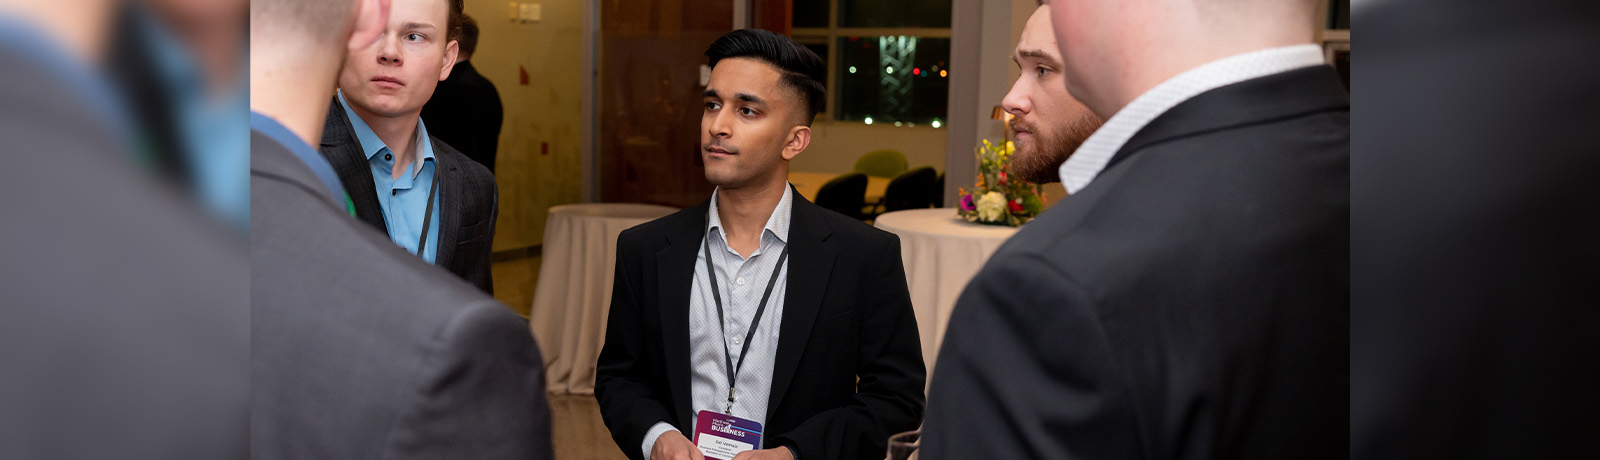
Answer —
822 351
358 348
465 109
429 198
1191 298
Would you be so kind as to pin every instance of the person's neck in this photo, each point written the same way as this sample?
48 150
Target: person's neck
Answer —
1180 53
279 89
79 27
744 211
398 132
214 40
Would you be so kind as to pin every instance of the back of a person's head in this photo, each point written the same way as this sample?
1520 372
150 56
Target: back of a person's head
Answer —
469 36
802 69
300 21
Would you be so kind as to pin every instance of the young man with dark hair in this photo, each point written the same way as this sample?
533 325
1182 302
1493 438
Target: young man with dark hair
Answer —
430 199
757 310
465 109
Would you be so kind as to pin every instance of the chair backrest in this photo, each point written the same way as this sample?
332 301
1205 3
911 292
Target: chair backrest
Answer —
910 190
938 191
882 163
844 194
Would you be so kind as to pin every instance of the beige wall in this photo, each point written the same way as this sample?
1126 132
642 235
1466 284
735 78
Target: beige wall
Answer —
835 145
546 111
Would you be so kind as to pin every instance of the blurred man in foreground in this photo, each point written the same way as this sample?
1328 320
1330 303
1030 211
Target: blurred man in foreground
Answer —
358 348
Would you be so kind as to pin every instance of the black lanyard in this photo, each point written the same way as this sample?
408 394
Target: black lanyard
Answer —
716 295
427 215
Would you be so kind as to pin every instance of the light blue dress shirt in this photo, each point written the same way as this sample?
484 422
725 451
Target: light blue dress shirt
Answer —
405 199
213 128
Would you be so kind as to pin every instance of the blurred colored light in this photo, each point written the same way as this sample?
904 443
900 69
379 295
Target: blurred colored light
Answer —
936 123
943 73
916 71
852 69
869 120
889 69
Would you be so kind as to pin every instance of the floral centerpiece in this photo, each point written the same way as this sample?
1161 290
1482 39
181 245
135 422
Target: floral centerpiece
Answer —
997 199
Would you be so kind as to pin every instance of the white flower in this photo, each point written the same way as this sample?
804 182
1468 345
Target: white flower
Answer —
992 207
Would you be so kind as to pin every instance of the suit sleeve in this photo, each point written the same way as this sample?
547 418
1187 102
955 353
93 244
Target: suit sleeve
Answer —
481 395
629 404
1026 371
889 395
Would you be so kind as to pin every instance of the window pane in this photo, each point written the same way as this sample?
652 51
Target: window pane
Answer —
811 13
892 78
894 13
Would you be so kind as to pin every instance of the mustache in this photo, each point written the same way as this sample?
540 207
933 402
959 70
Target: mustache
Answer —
1018 125
709 145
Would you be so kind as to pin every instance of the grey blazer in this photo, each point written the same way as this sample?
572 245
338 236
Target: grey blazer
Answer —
362 350
467 194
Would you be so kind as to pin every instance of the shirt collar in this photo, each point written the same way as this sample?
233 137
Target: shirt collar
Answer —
777 223
282 135
1100 147
371 145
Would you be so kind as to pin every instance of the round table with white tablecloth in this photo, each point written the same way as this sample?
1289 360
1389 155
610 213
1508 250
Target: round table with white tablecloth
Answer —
572 298
942 252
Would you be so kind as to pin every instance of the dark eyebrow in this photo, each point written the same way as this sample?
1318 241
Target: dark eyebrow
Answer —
1035 54
746 97
751 98
416 26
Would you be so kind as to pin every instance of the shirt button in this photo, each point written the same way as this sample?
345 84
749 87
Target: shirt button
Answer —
740 281
737 340
388 157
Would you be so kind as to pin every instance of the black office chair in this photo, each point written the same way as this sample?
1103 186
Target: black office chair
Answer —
909 191
937 193
844 194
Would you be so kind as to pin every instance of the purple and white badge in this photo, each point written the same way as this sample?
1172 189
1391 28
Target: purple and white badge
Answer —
722 436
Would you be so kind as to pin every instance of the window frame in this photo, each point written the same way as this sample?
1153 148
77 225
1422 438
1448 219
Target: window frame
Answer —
829 36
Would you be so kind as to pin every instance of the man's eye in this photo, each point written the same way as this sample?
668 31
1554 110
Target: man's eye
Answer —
1042 71
713 106
747 111
416 37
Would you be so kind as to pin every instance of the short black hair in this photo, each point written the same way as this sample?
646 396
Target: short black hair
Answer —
802 69
468 43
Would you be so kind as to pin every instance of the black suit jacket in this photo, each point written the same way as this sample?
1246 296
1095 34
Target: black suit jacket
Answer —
468 196
1192 302
847 314
360 349
465 111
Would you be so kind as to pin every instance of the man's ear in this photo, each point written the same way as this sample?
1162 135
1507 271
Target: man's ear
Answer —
450 51
372 16
799 138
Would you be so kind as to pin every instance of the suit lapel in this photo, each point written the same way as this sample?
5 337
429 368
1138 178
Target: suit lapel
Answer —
674 284
810 266
451 192
343 151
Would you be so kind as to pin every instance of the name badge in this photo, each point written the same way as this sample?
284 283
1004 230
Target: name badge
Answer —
722 436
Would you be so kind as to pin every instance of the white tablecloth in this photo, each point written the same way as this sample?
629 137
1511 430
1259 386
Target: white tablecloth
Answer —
568 316
942 253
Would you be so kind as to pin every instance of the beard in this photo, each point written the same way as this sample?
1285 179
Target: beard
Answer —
1040 161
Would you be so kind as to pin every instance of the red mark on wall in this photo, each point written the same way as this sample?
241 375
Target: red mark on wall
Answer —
523 78
544 148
